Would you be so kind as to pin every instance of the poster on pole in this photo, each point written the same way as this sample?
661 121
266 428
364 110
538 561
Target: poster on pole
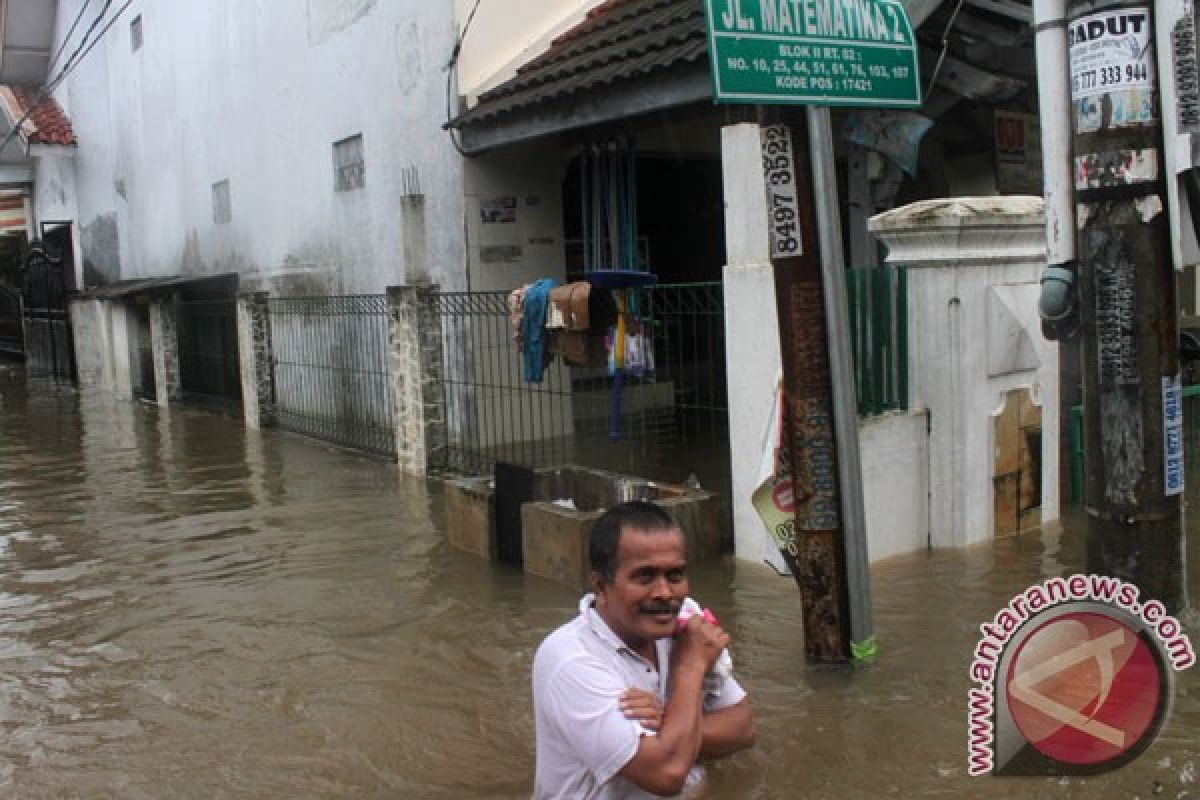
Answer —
1112 66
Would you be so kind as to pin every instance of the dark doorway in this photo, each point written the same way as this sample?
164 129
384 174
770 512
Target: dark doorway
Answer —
48 275
680 218
141 352
12 338
209 375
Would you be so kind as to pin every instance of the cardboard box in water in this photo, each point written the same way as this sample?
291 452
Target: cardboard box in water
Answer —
554 539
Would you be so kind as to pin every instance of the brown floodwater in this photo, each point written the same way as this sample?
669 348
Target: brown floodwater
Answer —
192 610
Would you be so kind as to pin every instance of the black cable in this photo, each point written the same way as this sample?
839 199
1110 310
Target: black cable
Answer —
67 38
95 42
450 68
75 56
67 68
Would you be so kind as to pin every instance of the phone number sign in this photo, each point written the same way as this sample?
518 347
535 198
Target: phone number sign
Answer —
859 53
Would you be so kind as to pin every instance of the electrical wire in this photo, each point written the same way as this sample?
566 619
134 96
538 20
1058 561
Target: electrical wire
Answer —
945 46
67 38
451 66
68 67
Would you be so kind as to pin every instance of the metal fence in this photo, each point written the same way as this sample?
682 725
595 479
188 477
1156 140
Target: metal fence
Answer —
208 354
331 369
673 419
491 412
49 351
12 341
878 298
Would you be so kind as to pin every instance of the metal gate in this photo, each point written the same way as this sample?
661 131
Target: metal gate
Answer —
331 373
673 420
12 342
208 354
48 348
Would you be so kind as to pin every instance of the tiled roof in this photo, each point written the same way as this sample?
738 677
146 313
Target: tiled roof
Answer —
619 40
47 124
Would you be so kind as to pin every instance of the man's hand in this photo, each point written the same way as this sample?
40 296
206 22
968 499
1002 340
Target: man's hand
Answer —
698 645
643 708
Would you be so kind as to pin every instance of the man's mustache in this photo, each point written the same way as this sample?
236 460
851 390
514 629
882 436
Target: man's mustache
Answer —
661 608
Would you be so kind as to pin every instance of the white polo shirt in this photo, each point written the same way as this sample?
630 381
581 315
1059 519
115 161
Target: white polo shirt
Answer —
583 740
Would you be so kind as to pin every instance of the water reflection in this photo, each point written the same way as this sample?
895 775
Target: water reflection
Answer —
189 609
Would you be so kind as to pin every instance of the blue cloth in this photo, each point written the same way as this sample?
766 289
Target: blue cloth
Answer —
533 329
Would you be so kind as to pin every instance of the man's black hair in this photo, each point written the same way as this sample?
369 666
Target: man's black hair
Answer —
606 533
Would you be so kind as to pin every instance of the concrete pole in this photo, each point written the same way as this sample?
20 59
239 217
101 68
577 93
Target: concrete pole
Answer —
1127 303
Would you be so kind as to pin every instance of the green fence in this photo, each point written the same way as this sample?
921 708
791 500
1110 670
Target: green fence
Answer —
1191 440
878 298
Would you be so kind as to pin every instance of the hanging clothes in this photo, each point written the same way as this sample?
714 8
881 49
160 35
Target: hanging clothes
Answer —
533 329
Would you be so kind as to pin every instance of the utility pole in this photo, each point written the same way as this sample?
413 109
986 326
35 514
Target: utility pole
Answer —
1127 307
825 548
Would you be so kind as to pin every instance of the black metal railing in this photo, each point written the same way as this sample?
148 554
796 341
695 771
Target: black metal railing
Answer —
208 354
492 413
331 369
49 351
673 419
12 340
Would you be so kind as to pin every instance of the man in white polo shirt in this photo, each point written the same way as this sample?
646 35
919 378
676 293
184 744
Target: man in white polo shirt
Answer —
588 748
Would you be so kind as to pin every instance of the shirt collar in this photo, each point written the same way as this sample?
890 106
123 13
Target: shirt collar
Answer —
592 618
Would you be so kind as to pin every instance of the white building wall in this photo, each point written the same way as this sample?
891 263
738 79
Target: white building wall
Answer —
54 199
256 94
526 242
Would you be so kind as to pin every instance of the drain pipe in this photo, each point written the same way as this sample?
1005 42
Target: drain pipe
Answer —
1058 304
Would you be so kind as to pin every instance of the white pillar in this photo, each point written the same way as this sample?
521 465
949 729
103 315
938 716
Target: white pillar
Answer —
751 329
974 334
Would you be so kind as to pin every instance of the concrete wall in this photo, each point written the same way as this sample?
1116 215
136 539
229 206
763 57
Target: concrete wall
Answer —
508 247
90 331
256 94
895 474
974 266
101 329
54 199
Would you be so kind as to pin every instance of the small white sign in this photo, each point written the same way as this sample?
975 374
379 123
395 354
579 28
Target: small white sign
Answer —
1172 401
1111 51
783 210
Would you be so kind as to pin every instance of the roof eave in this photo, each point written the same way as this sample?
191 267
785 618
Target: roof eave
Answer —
40 149
680 85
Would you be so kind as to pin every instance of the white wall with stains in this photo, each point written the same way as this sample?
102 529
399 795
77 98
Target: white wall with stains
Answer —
256 93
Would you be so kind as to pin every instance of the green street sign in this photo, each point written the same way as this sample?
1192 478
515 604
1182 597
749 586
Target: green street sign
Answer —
859 53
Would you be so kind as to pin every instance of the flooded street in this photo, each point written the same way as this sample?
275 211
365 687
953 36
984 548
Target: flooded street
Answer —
192 610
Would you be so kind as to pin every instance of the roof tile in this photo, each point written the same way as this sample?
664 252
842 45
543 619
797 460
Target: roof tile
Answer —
50 124
618 40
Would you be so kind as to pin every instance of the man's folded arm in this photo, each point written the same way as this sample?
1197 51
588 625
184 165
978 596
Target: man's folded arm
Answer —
727 730
662 762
